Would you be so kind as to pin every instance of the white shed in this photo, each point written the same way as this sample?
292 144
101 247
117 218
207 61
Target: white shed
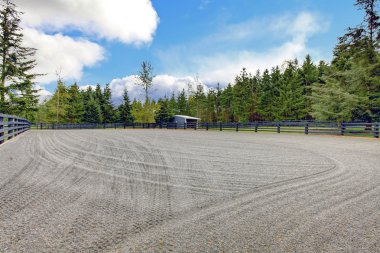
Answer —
181 119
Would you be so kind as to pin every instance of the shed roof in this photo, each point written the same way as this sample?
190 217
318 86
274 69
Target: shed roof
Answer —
186 117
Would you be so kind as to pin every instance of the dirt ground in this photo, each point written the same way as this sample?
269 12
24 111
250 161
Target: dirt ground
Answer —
188 191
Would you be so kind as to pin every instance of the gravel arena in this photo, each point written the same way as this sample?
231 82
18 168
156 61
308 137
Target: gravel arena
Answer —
188 191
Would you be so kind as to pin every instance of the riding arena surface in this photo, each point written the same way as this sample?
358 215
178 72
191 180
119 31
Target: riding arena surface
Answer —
188 191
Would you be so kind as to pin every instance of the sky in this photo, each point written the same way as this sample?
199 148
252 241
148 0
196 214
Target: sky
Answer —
187 41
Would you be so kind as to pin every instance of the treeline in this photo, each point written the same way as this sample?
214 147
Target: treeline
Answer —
292 92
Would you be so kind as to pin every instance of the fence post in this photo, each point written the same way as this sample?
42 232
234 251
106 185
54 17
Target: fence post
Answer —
376 130
342 129
237 127
256 127
221 126
306 128
278 128
1 129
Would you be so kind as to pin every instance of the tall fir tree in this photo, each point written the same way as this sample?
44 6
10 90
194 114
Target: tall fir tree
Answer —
163 114
108 110
17 93
182 102
125 109
75 104
227 102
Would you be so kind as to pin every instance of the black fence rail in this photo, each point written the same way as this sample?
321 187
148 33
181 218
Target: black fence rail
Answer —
306 127
11 126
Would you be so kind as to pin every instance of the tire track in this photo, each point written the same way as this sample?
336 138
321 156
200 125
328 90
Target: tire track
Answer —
187 191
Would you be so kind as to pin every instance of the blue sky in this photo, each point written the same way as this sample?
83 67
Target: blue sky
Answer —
187 41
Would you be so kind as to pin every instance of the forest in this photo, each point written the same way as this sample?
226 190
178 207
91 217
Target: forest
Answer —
345 89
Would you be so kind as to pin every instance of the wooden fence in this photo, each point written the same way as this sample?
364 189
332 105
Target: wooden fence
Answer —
306 127
11 126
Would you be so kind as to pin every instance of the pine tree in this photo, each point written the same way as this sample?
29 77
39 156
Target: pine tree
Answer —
355 69
291 104
227 100
75 105
16 64
173 105
211 113
182 103
309 74
333 103
92 112
125 109
200 102
266 97
163 114
108 111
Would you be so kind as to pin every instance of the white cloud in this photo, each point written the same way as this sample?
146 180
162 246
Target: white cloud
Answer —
43 93
128 21
163 85
85 87
61 53
287 38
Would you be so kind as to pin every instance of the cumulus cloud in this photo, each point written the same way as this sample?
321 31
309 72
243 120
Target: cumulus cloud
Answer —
163 85
48 23
128 21
61 53
85 87
43 93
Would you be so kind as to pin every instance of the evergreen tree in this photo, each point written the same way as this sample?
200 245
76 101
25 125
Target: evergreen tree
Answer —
16 64
266 97
211 113
75 105
227 100
125 109
173 105
25 104
332 102
182 103
163 114
108 111
309 74
242 94
355 70
200 101
218 103
92 112
291 104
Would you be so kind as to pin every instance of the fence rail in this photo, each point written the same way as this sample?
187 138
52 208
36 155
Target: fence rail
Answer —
11 126
306 127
